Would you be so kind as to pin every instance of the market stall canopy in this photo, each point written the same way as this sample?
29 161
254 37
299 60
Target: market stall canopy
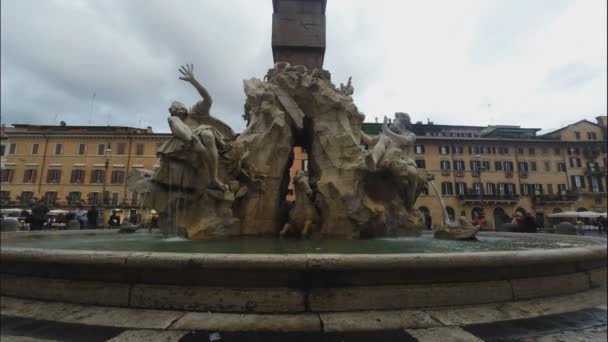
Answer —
58 212
578 214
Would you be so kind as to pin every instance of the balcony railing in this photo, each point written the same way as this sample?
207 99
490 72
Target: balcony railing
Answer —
508 174
595 171
487 197
475 172
459 173
545 198
523 174
445 172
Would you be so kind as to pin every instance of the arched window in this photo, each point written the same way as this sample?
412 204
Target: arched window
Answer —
476 212
500 217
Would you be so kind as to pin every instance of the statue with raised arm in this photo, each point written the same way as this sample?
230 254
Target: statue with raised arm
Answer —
197 137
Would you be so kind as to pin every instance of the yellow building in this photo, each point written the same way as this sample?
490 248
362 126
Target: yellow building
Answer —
497 170
69 165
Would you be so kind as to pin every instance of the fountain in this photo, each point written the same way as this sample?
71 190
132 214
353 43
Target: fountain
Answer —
224 193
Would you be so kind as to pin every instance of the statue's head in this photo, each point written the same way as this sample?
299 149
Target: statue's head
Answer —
402 120
178 109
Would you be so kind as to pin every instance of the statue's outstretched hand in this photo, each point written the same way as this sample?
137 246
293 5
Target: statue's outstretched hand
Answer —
188 72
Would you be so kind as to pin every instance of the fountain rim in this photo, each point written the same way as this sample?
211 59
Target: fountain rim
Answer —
305 261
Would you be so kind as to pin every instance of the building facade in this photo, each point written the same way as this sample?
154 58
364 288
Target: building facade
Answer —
71 165
498 170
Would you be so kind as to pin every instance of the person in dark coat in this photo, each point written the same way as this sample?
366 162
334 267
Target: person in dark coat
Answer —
38 217
92 216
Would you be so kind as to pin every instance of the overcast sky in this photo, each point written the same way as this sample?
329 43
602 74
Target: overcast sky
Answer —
534 63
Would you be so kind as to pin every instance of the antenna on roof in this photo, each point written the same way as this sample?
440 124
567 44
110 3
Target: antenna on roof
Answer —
91 112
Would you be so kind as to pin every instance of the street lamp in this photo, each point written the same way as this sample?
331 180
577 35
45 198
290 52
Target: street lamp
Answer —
105 181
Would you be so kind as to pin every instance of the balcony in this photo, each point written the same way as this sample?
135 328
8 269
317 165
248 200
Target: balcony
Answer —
445 172
472 198
567 197
459 173
595 171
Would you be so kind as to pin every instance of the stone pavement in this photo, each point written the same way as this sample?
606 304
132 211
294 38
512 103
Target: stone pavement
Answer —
578 317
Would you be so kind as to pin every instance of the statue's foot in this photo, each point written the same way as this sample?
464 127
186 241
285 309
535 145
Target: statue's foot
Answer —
217 184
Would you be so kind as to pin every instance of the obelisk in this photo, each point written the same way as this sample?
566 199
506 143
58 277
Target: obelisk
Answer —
298 32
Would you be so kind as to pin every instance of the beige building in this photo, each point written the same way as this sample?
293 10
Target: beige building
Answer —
497 170
68 165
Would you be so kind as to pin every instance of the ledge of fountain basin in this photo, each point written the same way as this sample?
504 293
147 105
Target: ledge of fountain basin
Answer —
594 253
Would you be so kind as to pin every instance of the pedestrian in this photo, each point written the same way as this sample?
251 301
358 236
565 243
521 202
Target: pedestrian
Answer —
92 216
38 218
81 216
114 220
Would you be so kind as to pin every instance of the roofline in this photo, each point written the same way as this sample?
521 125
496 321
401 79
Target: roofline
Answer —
572 124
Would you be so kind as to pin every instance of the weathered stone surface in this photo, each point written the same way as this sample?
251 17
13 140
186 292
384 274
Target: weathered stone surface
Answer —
247 322
475 314
376 320
403 297
598 278
149 336
123 317
39 310
217 299
441 334
78 291
560 304
8 225
548 286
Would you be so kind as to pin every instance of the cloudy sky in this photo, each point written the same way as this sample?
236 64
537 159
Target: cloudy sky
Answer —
539 63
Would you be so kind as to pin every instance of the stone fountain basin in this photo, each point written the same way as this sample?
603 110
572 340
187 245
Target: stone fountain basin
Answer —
295 283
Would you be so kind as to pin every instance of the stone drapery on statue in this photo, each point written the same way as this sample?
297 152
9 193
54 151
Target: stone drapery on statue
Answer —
215 184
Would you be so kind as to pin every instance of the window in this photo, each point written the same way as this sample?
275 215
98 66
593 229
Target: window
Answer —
575 162
35 148
591 136
118 177
94 198
81 149
139 149
523 167
490 189
591 166
26 197
101 149
545 150
510 189
419 149
508 166
420 163
459 165
74 198
475 167
29 176
53 176
5 196
477 189
6 175
524 189
498 165
577 135
12 149
533 166
595 184
58 149
531 151
97 176
458 150
547 166
578 182
574 150
520 150
2 150
120 148
538 189
561 167
446 188
114 198
50 197
550 189
444 149
557 151
461 188
561 188
500 189
485 165
77 176
445 165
